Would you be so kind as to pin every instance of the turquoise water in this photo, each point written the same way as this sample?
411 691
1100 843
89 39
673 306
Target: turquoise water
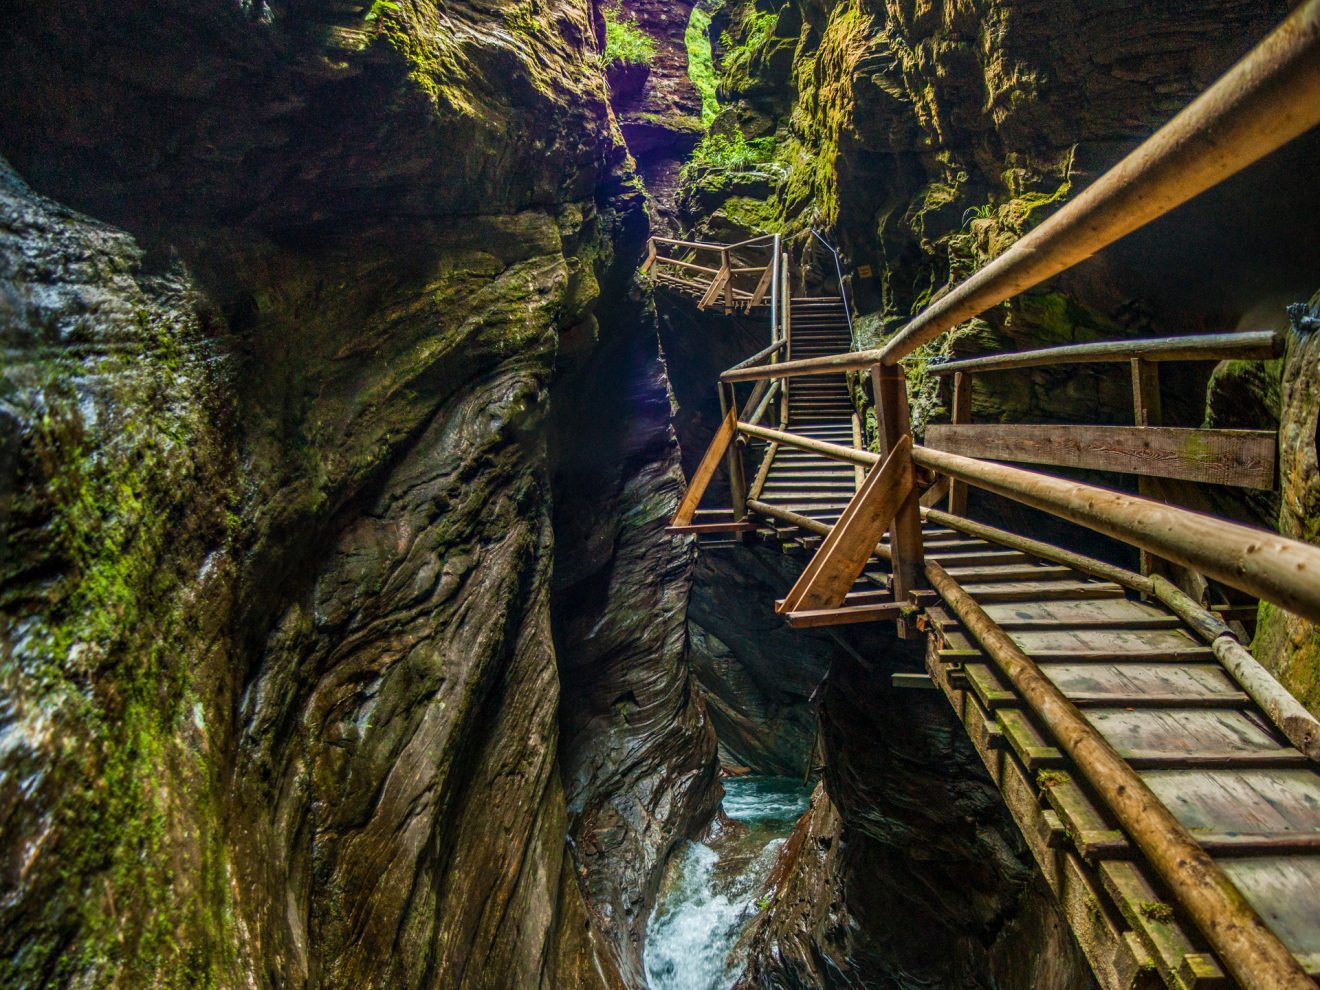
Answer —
710 892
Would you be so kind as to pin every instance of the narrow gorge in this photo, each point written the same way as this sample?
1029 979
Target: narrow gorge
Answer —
348 639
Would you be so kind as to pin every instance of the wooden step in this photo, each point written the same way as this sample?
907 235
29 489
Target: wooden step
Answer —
1028 591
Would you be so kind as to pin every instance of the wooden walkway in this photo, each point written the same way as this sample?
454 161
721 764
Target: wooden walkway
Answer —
1165 782
1153 688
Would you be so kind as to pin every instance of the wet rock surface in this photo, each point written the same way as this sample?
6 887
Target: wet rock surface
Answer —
907 870
659 108
759 677
1287 644
283 700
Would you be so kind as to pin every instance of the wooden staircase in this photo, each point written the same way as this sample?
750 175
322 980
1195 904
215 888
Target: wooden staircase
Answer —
819 407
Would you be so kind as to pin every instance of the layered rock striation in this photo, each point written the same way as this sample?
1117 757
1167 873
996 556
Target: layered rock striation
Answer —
298 691
924 138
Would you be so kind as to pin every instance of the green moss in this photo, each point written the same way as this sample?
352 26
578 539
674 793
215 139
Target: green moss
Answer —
1157 911
755 32
522 19
1045 779
754 215
107 663
1290 647
380 7
625 42
701 67
677 122
435 66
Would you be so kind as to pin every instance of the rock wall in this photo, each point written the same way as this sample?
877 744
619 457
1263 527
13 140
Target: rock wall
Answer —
283 613
659 108
1287 644
907 870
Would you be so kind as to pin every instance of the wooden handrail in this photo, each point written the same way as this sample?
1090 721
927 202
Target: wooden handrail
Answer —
1264 564
1270 97
827 365
1254 955
761 355
660 259
1255 345
839 453
711 245
1258 345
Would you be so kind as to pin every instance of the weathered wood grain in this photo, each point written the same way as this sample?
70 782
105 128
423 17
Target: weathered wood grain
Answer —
1243 458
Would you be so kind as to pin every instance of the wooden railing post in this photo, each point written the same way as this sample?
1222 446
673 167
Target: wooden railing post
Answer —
893 422
733 459
1147 411
962 413
726 273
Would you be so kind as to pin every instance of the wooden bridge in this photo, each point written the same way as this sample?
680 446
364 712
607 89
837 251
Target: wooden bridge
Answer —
1167 785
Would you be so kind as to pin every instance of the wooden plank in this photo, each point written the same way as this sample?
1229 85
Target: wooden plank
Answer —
1039 591
1124 678
1286 891
909 682
1164 643
1193 655
706 470
1241 801
741 526
1008 572
1102 622
811 619
1244 458
970 558
1182 733
851 543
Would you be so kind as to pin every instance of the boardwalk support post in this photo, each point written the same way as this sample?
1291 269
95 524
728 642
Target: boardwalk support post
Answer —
894 424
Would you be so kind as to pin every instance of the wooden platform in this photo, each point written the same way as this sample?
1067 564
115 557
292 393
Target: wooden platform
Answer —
1159 696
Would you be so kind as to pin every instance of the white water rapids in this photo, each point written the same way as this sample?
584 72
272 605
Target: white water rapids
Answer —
711 892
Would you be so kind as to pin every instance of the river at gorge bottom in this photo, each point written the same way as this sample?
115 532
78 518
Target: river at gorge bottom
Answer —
713 891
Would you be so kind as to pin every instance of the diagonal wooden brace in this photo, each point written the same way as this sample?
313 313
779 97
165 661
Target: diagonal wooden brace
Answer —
706 470
839 562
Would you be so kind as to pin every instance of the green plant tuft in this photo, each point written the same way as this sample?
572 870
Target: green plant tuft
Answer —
625 43
730 153
379 7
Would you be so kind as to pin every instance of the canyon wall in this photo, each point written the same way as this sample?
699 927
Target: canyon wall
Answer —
300 310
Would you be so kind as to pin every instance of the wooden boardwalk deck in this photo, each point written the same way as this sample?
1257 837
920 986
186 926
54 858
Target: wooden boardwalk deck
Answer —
1161 698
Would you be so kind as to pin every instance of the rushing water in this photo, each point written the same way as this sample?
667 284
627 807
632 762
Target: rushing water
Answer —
711 892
